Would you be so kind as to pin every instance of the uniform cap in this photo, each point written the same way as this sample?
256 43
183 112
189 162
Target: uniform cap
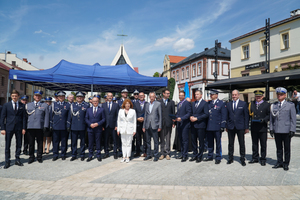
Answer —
38 92
258 93
281 90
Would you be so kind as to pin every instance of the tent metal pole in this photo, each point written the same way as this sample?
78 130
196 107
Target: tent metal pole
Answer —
92 89
32 93
7 93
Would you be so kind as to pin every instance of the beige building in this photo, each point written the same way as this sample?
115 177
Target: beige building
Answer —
248 52
169 61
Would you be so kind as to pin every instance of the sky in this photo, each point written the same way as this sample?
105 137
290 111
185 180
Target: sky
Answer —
85 32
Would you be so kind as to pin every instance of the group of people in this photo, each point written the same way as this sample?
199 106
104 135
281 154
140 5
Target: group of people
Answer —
135 122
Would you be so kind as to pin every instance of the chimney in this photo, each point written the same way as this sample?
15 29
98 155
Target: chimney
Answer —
29 63
219 44
25 60
206 49
295 12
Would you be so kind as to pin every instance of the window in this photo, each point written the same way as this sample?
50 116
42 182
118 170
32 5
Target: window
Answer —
13 63
285 40
213 69
177 72
2 81
225 69
199 68
245 49
187 72
262 47
182 73
245 74
21 86
174 74
194 70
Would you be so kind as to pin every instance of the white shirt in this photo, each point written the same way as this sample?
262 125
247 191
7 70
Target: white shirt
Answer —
198 103
151 106
165 101
108 105
298 96
13 103
36 102
236 103
95 109
281 103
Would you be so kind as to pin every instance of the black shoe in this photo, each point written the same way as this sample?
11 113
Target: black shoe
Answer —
148 158
7 165
137 155
40 160
263 163
253 161
115 157
198 160
243 163
120 155
217 162
208 159
229 162
55 158
277 166
99 159
179 157
82 158
31 160
63 157
155 159
89 159
184 159
192 159
25 152
205 150
73 158
19 163
286 168
105 156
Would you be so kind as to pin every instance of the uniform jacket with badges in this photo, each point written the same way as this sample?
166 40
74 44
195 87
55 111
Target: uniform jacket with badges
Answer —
120 102
217 115
201 113
239 118
99 118
111 116
139 111
283 120
126 125
13 120
166 110
38 117
262 113
152 119
77 116
184 112
59 115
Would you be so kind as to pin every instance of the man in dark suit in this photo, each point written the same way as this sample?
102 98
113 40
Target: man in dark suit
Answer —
237 123
216 124
13 113
199 121
184 111
167 109
24 100
111 111
260 114
139 107
95 118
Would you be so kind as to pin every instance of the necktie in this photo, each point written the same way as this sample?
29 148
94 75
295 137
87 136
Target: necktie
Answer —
16 108
109 106
196 104
166 101
234 105
36 104
279 105
94 112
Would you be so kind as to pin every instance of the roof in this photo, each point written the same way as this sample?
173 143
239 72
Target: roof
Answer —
263 28
121 57
276 79
136 69
222 52
176 59
7 66
2 66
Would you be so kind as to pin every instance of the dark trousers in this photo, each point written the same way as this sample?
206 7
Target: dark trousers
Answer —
241 138
95 138
198 134
152 133
59 136
74 139
140 136
8 137
262 138
25 142
35 134
211 136
165 140
183 134
67 139
116 142
283 140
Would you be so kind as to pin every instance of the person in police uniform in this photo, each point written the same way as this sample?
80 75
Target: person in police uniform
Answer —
215 126
136 96
48 133
38 121
283 127
124 94
24 100
77 125
58 123
90 101
259 111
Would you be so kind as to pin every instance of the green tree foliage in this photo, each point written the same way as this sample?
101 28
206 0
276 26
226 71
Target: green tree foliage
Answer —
171 85
156 74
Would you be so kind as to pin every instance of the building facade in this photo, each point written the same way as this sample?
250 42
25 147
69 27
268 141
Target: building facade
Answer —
248 51
169 61
198 69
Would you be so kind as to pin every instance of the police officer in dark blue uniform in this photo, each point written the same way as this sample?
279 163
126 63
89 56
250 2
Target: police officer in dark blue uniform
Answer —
215 126
58 122
77 125
24 100
124 94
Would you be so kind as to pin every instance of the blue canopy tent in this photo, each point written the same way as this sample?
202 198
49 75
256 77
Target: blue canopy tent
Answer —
73 77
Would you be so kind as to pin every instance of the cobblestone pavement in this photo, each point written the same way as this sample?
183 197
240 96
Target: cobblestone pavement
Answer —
140 179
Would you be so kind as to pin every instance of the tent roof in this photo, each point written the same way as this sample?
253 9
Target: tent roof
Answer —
70 76
276 79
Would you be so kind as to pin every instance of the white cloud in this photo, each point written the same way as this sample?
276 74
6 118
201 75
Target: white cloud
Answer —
163 41
40 31
53 42
184 44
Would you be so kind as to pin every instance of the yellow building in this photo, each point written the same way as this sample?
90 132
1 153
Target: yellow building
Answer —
169 61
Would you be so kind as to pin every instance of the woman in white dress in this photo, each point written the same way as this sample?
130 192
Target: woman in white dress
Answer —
127 128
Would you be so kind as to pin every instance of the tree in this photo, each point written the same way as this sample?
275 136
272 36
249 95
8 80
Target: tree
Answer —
171 84
156 74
